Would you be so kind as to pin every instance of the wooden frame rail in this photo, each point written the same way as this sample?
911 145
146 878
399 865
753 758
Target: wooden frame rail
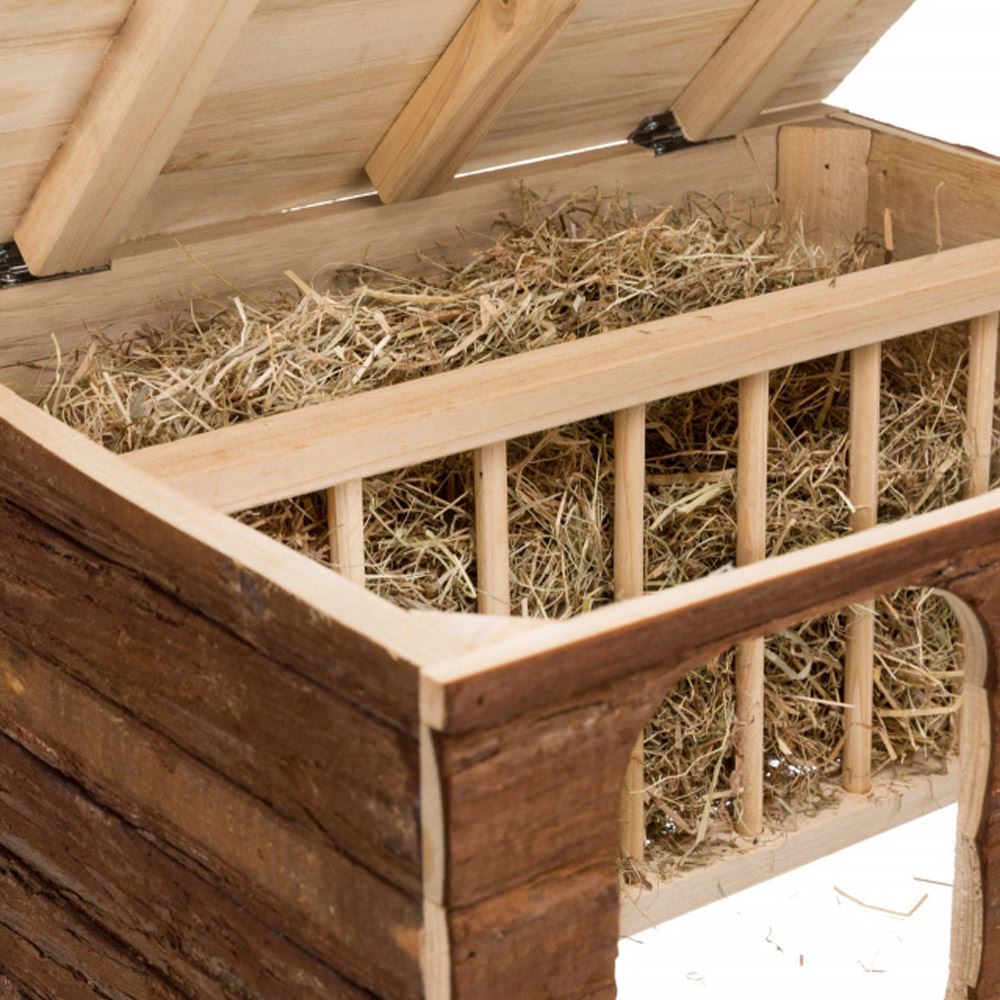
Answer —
385 429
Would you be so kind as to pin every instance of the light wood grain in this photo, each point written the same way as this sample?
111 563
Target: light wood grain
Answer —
981 402
892 802
311 87
492 529
463 95
314 448
630 581
753 64
823 182
155 75
346 520
931 188
751 539
863 474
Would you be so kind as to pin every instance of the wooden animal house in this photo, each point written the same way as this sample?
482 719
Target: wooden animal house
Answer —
228 770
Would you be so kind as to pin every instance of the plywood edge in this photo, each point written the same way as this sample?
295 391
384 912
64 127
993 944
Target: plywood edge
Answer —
892 802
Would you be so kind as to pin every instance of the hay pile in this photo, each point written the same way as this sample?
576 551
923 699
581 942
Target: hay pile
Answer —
550 275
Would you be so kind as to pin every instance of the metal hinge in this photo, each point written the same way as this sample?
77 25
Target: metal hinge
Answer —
14 271
662 135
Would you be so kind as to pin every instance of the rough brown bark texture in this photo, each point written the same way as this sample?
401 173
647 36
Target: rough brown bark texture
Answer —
200 796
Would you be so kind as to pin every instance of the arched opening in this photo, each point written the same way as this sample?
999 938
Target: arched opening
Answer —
931 746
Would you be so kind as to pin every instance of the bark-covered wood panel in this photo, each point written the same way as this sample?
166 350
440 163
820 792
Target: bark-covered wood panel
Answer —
87 899
207 734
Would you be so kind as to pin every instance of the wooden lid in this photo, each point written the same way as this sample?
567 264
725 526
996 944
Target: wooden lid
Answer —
174 114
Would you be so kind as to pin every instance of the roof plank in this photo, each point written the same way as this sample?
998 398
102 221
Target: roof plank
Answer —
464 94
754 64
156 73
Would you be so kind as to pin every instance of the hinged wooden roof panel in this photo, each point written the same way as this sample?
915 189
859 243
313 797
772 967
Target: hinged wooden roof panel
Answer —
311 86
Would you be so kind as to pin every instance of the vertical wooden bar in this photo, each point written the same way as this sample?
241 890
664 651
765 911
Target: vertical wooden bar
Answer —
981 400
630 581
492 529
859 663
346 518
751 532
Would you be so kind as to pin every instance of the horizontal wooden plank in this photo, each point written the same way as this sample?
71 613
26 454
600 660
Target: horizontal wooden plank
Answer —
87 899
287 607
321 80
316 447
146 283
267 728
293 879
688 625
892 802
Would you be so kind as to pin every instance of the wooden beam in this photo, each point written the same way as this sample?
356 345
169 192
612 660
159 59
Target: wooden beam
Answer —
154 77
859 662
492 529
464 94
981 403
346 520
630 581
751 545
384 429
754 64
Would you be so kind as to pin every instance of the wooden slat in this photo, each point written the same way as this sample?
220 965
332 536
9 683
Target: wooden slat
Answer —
311 87
690 622
346 518
859 664
492 530
156 74
630 581
755 62
981 403
463 95
751 539
313 448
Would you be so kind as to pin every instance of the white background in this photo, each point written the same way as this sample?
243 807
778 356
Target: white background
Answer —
938 73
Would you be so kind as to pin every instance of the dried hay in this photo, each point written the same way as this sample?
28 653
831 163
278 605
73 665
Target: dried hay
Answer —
552 275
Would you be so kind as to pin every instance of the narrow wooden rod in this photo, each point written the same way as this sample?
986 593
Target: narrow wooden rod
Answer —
751 534
630 581
492 529
981 400
859 663
346 518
